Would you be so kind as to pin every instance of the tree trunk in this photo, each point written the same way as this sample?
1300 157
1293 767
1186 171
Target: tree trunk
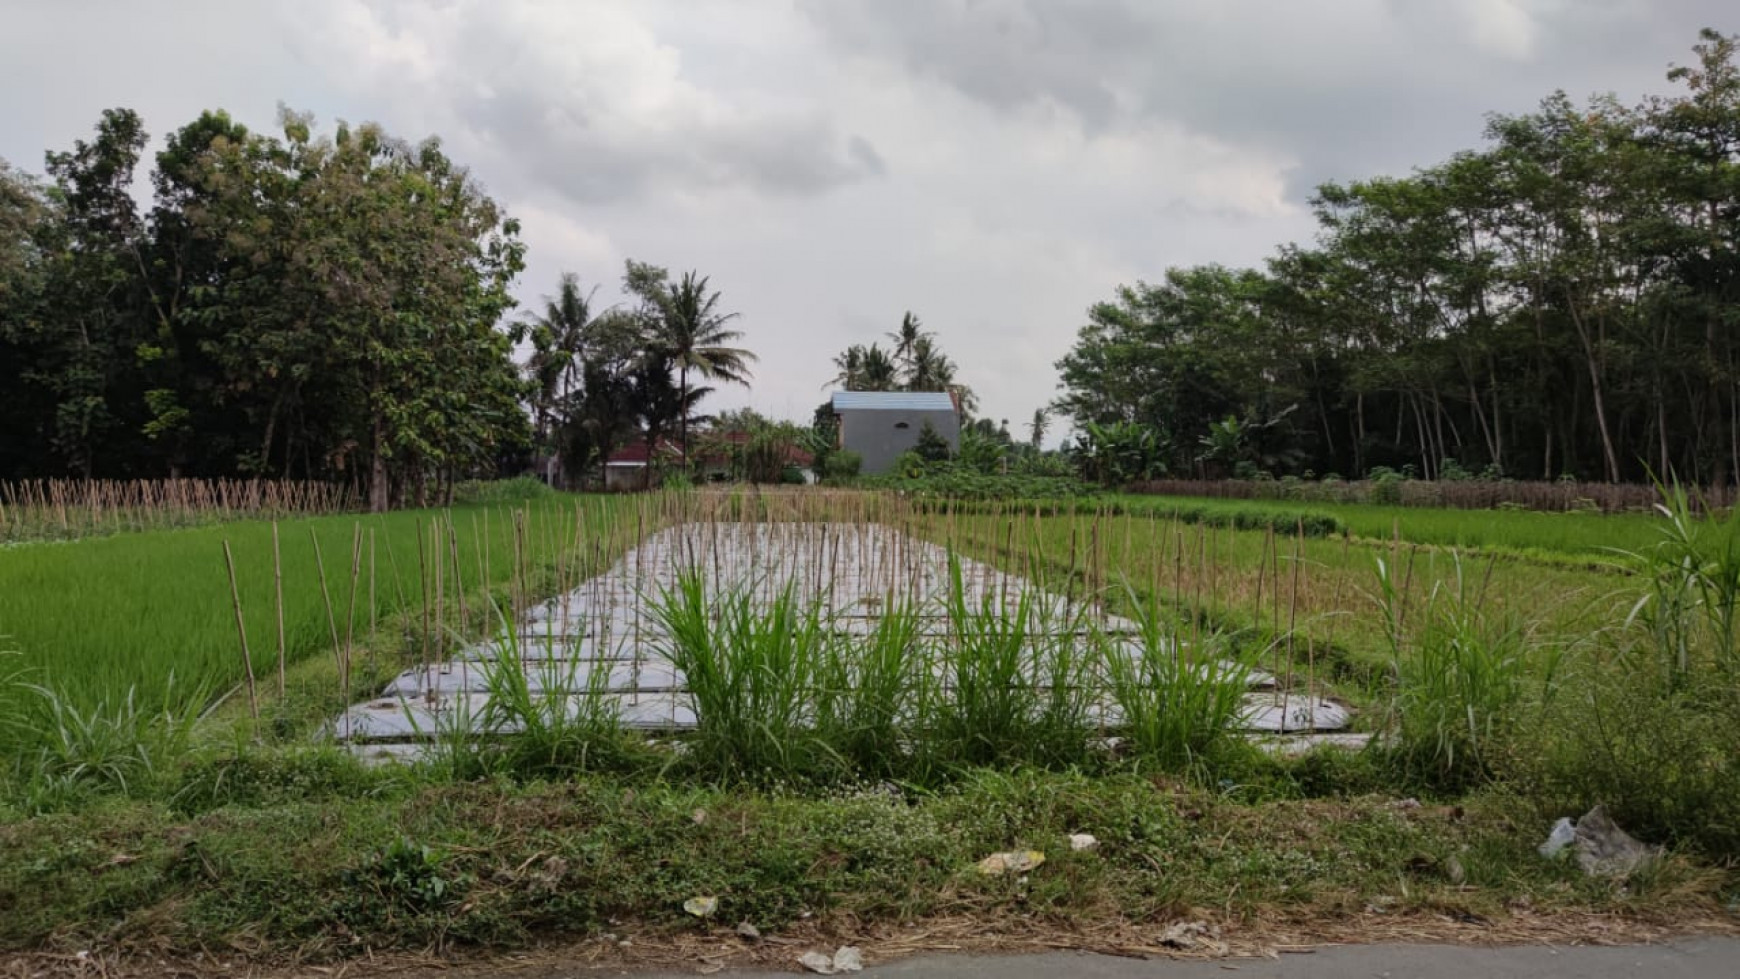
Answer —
683 415
1591 359
378 498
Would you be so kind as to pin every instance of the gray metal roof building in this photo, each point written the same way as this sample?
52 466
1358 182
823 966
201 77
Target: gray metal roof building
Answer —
880 425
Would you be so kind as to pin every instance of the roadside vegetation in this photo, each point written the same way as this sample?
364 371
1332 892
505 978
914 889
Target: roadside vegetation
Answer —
847 782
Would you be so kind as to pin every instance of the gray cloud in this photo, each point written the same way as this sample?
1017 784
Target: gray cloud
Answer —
1344 89
993 165
593 100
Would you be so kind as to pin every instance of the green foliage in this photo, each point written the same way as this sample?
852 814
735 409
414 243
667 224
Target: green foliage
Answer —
1461 678
1118 453
406 876
1015 685
255 779
1646 723
1179 706
931 446
495 492
751 671
499 865
980 453
145 627
911 475
1524 307
915 363
842 466
121 745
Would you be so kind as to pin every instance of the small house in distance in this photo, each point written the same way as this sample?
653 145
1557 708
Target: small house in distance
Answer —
880 425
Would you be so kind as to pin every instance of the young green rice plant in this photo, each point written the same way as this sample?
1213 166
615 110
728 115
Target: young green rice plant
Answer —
1461 675
752 670
1177 705
1013 681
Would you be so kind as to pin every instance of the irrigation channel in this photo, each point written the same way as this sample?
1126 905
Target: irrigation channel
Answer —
602 647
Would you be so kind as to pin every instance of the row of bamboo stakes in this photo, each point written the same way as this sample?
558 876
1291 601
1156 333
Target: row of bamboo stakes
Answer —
994 531
88 505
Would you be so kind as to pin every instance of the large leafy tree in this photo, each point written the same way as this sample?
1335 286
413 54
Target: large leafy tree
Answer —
373 273
1561 300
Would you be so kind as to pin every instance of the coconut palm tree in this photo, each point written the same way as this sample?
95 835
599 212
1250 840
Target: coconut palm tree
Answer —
907 338
692 333
560 336
849 365
927 368
1037 427
877 371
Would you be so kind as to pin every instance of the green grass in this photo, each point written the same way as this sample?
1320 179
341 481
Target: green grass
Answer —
148 616
1248 584
1511 692
310 856
1581 536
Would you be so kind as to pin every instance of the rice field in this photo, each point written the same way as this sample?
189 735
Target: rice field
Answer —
151 619
62 509
1576 536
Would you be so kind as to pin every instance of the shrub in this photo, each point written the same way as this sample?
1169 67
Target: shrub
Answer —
842 465
931 446
515 490
1386 486
1649 731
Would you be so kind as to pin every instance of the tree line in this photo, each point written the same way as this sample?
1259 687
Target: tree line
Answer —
1562 301
314 307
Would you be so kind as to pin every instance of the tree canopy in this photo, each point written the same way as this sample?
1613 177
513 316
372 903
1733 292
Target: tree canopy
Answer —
1563 300
292 305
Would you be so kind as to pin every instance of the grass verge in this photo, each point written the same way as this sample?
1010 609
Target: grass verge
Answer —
308 855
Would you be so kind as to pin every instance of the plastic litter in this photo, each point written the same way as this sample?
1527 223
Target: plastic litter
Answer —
1012 861
846 958
1602 849
1605 850
1563 834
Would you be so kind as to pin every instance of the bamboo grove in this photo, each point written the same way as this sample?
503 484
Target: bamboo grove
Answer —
1564 300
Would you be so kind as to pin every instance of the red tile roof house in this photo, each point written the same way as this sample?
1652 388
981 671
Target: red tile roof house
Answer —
626 469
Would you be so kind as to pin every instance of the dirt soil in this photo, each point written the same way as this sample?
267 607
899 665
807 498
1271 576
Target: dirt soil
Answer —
627 952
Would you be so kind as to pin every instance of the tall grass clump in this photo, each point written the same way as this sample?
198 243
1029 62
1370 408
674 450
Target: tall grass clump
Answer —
1648 727
751 663
875 686
1175 707
1461 677
548 713
123 746
1014 680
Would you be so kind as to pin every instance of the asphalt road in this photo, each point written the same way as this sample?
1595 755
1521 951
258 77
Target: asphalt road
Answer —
1707 958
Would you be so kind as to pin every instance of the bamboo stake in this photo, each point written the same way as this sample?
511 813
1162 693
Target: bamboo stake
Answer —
278 588
242 631
350 610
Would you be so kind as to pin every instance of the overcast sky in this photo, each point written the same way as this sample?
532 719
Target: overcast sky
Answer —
993 165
